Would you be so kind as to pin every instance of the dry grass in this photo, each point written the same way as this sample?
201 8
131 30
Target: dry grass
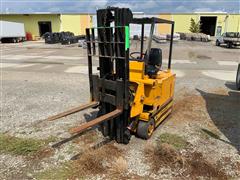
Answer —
194 109
120 165
194 165
189 109
162 155
90 163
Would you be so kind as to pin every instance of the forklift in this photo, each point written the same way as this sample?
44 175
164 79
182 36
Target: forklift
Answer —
132 92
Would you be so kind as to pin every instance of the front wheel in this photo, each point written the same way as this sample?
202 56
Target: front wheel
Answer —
217 43
238 78
145 129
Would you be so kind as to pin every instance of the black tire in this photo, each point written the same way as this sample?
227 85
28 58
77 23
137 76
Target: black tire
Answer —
126 136
229 45
238 78
143 129
217 43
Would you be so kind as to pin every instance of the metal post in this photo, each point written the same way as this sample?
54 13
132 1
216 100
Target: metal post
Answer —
149 43
93 42
142 41
170 50
89 51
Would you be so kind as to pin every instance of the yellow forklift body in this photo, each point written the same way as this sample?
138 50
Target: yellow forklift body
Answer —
156 93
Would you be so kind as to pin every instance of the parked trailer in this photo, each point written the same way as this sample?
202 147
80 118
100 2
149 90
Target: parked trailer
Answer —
11 32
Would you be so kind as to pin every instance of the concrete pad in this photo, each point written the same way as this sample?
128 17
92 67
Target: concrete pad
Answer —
64 57
6 65
178 61
19 57
80 69
24 65
179 73
47 67
227 63
221 74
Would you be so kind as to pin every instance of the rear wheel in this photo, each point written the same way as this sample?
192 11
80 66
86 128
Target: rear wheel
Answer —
217 43
238 78
145 129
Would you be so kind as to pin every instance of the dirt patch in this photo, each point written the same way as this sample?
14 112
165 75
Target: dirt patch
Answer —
194 55
192 165
95 162
87 138
163 155
231 167
43 153
207 106
208 121
203 57
197 166
191 108
99 161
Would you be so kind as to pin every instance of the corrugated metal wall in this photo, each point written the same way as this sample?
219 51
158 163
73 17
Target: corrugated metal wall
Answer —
75 23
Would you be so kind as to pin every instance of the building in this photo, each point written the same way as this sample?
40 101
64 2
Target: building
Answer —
39 23
211 23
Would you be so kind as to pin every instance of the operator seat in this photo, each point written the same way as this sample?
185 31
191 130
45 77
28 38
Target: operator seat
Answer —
154 61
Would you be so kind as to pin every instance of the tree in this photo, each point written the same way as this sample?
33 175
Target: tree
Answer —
194 26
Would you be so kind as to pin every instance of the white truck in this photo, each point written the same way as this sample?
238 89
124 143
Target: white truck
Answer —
11 32
229 38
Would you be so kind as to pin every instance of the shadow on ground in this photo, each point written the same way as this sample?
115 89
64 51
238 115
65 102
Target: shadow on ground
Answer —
88 117
231 85
224 111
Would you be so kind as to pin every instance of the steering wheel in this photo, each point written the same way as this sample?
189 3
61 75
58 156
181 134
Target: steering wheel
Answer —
134 53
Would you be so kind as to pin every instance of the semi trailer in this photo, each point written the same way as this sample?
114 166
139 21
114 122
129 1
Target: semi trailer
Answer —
11 32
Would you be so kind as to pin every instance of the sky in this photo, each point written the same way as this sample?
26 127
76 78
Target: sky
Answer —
146 6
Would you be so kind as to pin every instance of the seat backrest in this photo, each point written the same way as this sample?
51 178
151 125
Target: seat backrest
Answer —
155 57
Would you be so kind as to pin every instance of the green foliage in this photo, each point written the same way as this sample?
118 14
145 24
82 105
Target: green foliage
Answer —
205 133
21 146
173 139
195 26
62 172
